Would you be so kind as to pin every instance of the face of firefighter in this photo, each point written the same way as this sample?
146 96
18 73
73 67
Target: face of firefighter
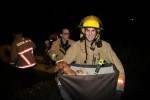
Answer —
90 33
65 34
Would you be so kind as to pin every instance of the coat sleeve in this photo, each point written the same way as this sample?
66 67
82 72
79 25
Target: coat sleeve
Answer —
71 54
113 58
53 48
13 54
53 52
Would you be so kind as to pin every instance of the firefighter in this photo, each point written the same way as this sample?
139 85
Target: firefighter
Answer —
61 45
89 50
22 59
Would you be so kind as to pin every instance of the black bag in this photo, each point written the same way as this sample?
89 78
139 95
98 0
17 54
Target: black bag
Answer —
91 87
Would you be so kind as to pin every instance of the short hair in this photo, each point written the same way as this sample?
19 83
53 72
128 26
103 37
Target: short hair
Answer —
62 28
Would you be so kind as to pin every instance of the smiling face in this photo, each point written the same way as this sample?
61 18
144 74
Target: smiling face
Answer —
90 33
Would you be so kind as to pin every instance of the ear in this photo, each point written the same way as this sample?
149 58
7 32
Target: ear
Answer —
98 30
81 35
83 30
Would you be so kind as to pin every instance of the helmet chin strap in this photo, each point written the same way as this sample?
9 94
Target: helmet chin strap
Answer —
96 40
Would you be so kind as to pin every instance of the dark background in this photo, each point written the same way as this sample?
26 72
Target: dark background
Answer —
121 20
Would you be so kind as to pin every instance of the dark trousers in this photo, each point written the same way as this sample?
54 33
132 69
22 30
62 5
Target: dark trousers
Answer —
26 76
64 94
117 95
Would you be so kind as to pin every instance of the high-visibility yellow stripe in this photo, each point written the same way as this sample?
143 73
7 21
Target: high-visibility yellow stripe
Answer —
53 56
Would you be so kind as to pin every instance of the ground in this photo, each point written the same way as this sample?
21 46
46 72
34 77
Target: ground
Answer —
136 62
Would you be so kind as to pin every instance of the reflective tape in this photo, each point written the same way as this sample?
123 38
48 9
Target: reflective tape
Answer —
58 61
121 82
53 57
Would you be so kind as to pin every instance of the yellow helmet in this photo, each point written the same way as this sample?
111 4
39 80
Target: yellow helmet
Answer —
90 21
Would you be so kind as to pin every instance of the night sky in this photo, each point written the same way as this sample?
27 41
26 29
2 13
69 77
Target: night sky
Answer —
39 19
